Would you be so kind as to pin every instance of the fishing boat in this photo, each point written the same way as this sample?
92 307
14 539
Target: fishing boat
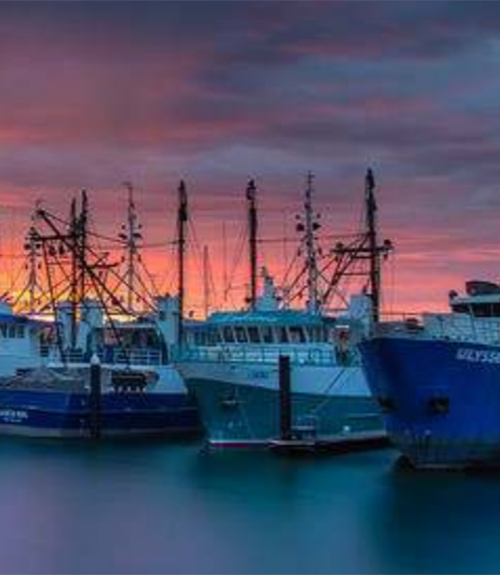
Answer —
230 361
49 393
437 380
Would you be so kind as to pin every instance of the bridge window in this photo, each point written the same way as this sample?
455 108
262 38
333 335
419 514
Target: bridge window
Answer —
267 334
228 334
478 309
283 334
213 336
241 336
297 335
253 334
199 338
12 331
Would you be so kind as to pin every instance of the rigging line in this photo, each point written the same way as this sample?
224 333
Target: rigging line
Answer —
150 278
54 309
238 255
20 296
169 274
197 245
148 292
294 296
290 268
17 276
322 237
110 271
154 245
327 399
90 232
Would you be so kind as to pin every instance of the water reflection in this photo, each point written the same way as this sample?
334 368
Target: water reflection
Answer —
159 507
437 522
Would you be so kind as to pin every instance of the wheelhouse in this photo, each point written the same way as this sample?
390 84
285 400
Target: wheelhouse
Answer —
277 328
482 299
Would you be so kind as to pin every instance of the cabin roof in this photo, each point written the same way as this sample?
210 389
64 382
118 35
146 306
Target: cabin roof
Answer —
475 299
15 319
277 317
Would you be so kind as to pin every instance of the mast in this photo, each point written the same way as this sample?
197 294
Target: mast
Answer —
131 236
251 194
83 223
373 247
32 249
182 219
73 233
310 227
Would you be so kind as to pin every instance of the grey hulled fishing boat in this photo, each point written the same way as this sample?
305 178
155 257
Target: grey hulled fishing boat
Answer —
230 361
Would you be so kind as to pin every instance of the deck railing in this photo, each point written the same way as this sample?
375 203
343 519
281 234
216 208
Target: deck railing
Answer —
448 326
114 356
266 355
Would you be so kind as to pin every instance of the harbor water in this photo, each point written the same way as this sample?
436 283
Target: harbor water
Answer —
171 508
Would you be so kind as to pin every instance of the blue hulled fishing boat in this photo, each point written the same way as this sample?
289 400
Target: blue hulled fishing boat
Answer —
46 384
437 380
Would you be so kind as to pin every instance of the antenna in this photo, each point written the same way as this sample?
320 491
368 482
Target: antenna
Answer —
32 249
251 194
308 224
131 234
311 225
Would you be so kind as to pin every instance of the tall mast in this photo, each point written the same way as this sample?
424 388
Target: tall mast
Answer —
83 223
132 235
311 226
374 249
32 249
182 219
252 241
73 233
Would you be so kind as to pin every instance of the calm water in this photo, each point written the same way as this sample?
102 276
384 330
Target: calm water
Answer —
170 508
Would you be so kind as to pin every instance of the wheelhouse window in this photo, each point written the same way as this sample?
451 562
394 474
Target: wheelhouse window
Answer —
297 334
267 334
253 334
241 336
283 335
199 337
478 309
315 334
228 334
213 336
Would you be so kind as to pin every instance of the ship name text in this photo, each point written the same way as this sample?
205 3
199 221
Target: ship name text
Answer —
478 355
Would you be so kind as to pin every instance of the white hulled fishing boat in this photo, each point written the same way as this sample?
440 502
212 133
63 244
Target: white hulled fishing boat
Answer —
230 361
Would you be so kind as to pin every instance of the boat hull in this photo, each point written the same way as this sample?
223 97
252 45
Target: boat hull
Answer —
67 414
441 399
241 403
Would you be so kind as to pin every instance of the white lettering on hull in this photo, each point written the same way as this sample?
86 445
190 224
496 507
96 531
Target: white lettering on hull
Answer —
478 355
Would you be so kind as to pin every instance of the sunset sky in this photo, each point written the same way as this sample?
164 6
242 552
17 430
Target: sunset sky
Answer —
92 94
